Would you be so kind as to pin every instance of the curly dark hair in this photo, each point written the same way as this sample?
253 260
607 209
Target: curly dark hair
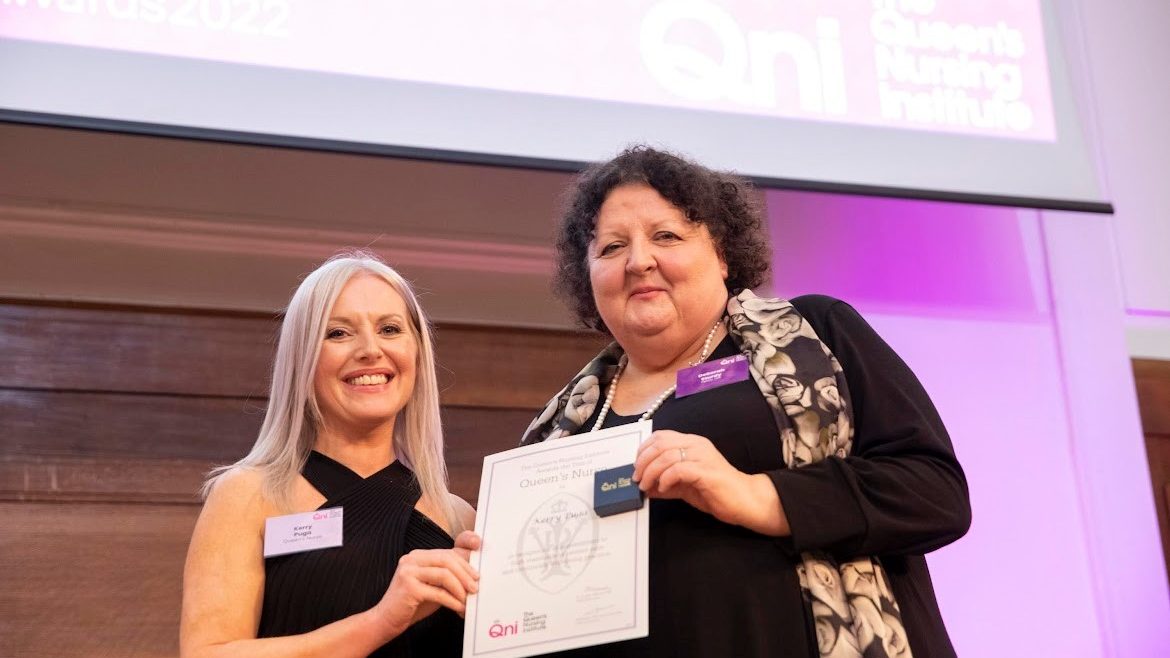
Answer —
724 203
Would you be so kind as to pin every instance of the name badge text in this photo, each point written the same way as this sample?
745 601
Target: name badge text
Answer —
307 531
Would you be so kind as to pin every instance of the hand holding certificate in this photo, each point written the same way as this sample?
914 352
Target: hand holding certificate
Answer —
553 574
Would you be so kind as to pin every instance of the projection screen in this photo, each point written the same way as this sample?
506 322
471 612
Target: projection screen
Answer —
941 99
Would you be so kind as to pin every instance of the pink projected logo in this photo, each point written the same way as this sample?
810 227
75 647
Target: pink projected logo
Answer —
906 63
942 65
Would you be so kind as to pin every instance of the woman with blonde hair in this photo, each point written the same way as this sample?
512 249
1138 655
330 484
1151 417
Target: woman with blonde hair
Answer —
352 432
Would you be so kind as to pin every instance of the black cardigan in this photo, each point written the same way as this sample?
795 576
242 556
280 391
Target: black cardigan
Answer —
901 492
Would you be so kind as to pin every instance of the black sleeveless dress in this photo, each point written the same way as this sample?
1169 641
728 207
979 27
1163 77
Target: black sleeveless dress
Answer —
305 591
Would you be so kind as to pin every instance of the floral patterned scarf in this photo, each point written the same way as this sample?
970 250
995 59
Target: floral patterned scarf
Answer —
852 605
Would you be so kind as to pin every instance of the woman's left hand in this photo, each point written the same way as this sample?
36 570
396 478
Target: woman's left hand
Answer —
687 466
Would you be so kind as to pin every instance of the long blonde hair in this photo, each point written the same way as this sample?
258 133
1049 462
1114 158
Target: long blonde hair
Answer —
292 419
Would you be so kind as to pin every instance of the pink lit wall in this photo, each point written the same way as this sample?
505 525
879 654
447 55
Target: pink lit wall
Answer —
1013 321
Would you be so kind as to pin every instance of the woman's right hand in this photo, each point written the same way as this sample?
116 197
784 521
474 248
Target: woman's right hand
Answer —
427 579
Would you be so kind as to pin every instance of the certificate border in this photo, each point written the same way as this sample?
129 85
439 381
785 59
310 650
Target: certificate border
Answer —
637 580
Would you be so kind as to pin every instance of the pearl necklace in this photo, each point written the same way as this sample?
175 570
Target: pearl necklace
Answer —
665 394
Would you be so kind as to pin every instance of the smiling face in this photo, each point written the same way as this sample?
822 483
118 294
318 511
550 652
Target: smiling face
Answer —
366 368
654 273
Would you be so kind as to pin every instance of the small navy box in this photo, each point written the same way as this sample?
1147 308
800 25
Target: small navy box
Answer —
614 491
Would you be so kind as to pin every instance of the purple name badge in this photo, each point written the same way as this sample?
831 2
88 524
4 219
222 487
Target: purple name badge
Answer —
711 374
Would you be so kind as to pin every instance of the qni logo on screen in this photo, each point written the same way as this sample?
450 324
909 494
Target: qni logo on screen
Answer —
896 62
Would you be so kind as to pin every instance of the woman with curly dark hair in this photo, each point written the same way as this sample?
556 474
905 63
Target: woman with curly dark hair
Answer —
798 471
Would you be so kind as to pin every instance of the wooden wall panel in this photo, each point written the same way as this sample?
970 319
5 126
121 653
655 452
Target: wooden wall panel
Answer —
1152 378
65 479
95 423
134 350
501 367
1158 451
93 580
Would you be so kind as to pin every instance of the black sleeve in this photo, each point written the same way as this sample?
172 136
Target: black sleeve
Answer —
901 490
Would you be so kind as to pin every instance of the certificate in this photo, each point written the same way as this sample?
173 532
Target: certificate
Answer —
553 574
